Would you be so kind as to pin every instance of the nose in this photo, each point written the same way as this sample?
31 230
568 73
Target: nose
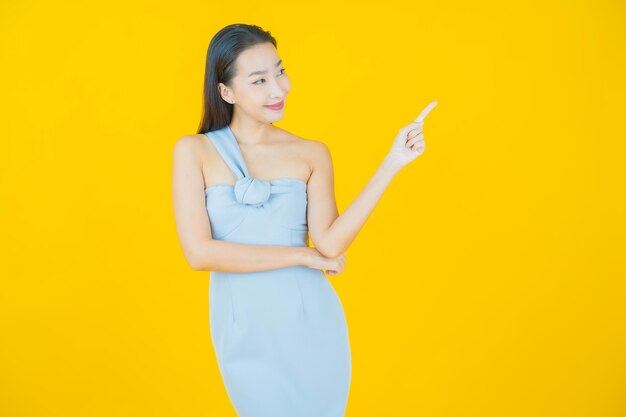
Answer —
276 91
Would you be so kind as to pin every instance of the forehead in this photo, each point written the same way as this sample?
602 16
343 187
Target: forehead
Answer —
258 57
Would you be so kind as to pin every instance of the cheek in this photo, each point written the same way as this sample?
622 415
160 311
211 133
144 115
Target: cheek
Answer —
286 84
254 97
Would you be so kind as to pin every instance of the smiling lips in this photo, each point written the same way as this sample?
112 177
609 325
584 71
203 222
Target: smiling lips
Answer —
277 106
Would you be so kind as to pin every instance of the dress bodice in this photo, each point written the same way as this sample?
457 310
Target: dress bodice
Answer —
253 210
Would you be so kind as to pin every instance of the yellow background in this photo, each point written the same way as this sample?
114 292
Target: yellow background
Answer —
488 281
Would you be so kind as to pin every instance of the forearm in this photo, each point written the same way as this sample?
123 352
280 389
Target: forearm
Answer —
345 228
222 256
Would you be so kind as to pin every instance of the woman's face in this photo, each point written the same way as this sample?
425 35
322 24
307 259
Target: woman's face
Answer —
259 81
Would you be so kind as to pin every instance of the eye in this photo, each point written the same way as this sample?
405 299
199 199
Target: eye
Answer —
261 79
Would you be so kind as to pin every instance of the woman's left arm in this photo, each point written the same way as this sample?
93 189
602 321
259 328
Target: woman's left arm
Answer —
332 233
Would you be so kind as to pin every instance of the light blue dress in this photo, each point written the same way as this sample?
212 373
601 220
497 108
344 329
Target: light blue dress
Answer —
280 336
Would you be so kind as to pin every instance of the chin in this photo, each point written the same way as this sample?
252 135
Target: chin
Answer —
276 118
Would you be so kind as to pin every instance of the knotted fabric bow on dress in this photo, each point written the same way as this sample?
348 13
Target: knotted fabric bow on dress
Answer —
252 191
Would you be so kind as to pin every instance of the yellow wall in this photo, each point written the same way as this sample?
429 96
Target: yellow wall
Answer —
489 280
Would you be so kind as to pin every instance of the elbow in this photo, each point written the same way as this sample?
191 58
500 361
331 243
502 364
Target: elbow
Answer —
195 265
194 262
197 259
328 250
332 253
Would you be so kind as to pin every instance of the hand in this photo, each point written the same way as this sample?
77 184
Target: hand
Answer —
409 144
332 266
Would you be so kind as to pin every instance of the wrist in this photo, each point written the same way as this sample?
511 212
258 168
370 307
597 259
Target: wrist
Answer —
301 255
390 166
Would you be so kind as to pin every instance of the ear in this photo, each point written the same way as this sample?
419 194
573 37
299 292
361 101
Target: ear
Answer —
225 93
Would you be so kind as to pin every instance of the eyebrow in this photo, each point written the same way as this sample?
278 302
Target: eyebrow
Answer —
263 72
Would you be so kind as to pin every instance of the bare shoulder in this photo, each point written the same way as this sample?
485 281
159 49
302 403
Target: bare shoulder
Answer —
190 148
314 151
189 141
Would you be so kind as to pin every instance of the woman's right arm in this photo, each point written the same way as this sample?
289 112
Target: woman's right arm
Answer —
218 255
202 252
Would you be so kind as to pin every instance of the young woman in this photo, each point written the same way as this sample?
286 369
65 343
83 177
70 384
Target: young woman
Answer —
247 196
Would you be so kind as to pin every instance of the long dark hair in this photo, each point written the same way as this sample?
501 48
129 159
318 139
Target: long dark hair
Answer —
223 51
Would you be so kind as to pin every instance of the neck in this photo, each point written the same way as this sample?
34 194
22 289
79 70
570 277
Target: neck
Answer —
249 131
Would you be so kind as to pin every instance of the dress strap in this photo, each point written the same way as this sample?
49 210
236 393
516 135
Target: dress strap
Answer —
248 190
226 144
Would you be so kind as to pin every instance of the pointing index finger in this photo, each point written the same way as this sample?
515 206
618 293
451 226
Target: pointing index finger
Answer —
425 112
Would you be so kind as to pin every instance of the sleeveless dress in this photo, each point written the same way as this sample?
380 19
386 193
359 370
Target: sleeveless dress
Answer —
280 336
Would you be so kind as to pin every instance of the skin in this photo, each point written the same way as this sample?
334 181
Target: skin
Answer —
271 152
